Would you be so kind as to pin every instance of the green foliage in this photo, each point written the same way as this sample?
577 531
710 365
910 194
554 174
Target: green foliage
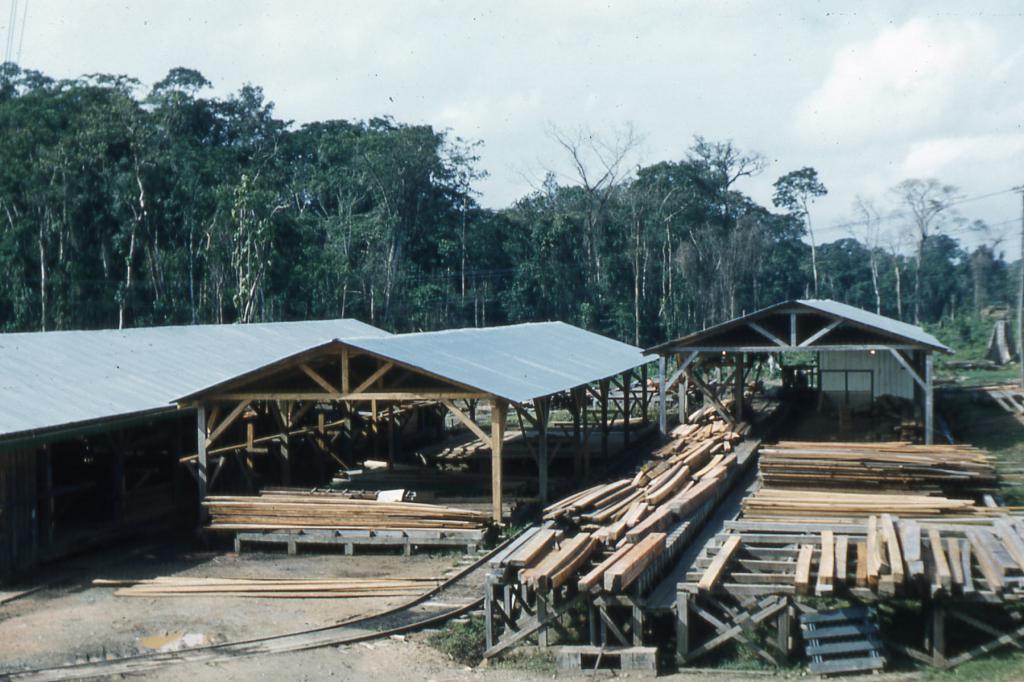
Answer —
120 207
462 641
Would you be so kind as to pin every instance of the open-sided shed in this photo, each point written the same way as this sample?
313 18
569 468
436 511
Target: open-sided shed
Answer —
848 341
523 366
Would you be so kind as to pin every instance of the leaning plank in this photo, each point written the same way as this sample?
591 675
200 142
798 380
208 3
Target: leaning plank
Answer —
802 579
943 578
826 564
892 543
714 571
842 547
956 566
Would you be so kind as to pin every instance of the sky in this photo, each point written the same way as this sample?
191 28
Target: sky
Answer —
867 93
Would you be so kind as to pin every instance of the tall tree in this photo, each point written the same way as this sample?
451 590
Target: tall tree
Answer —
796 191
928 207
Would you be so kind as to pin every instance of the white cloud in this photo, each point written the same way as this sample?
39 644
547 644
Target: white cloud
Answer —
908 79
941 156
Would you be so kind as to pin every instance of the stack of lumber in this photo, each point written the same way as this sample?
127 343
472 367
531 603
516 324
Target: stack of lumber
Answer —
332 512
620 527
950 469
885 555
276 588
813 505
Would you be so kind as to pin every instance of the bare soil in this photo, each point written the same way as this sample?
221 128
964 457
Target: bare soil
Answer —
75 621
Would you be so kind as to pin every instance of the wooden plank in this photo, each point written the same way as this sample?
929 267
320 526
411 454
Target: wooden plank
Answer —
802 578
943 578
722 558
892 544
965 559
874 567
1011 541
842 548
956 565
826 564
861 579
627 569
910 539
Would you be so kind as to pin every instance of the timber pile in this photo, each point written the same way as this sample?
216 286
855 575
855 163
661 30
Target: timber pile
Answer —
885 556
949 469
607 535
812 505
332 512
276 588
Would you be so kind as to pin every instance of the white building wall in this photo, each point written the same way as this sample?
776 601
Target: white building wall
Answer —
890 377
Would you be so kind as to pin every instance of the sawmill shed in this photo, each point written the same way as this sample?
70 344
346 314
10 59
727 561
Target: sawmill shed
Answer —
90 435
524 370
858 357
110 433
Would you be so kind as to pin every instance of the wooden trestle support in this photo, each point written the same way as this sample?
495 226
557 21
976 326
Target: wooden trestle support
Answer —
759 576
515 614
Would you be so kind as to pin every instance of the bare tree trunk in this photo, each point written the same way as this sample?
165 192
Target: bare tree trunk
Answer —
899 293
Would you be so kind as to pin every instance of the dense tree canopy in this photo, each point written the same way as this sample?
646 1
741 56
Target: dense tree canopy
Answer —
122 207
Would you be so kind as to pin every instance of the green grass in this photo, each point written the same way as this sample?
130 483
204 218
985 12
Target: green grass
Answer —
462 641
539 661
1004 666
968 336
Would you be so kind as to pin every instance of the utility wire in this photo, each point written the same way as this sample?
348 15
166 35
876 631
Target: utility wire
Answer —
21 38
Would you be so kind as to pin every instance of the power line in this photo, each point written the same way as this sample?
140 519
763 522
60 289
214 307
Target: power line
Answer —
21 38
897 215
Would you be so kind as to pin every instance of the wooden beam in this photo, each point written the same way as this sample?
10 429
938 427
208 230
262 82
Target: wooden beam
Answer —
499 411
201 460
766 334
820 333
227 422
910 370
540 405
464 418
381 371
710 395
662 401
319 380
345 373
713 573
350 397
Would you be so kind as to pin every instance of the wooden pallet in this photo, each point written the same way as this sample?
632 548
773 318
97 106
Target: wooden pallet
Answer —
843 641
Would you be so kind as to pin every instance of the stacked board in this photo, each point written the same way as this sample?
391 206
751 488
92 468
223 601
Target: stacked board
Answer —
309 511
896 466
885 556
816 505
605 537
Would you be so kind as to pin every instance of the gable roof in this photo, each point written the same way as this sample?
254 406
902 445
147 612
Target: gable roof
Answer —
56 380
890 330
516 362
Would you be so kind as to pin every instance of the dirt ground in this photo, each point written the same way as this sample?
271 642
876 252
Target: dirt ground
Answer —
75 621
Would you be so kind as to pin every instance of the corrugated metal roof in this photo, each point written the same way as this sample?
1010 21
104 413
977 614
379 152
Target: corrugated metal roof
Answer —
56 379
887 324
516 362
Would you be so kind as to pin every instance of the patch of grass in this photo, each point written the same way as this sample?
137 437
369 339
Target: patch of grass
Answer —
995 667
462 641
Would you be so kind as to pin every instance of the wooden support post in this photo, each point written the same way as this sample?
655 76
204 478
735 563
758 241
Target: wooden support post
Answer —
604 419
577 433
682 627
391 436
499 411
738 388
645 397
375 428
585 414
785 625
929 399
938 633
627 380
488 611
541 410
201 459
542 617
684 400
662 394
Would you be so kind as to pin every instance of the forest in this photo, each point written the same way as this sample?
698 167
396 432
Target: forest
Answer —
123 205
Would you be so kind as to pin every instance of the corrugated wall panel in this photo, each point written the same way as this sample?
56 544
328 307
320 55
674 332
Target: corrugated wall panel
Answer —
890 377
